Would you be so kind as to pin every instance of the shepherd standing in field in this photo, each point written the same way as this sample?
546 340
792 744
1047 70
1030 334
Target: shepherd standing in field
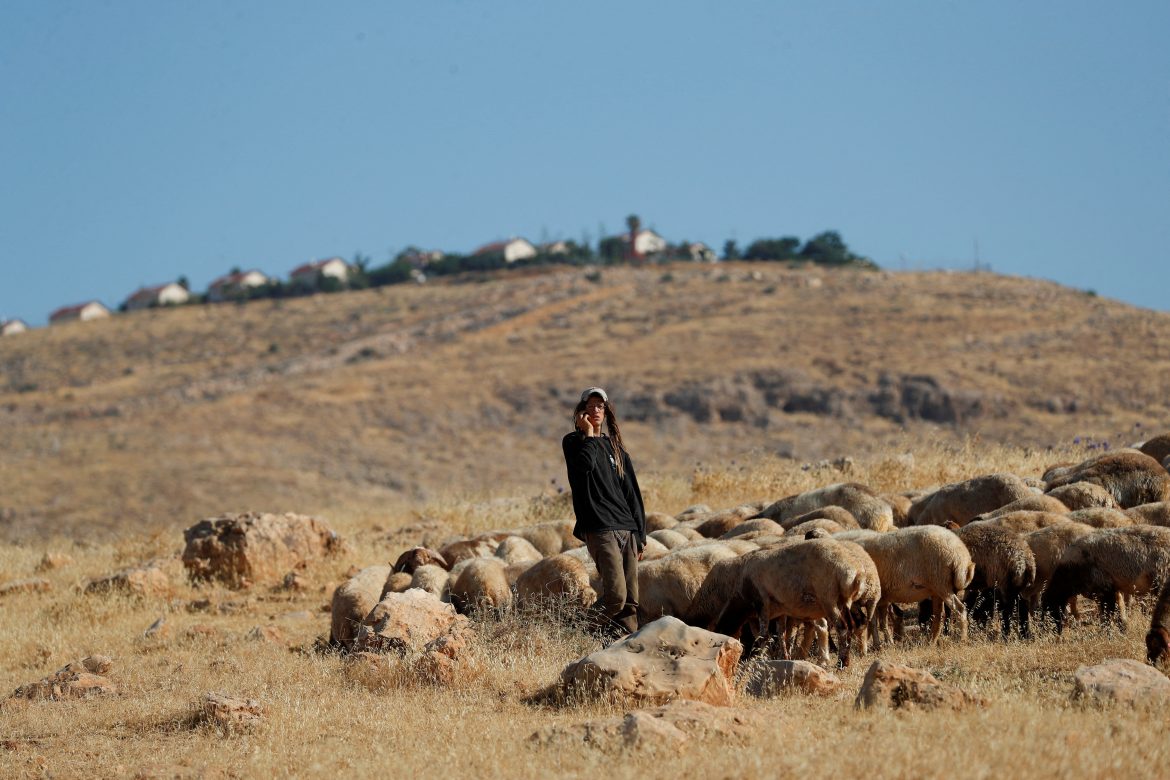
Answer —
608 504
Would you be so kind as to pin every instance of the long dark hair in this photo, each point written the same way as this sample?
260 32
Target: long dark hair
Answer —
615 434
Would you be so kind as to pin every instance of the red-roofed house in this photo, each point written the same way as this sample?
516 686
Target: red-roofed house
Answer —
12 327
170 294
234 284
309 272
511 250
90 310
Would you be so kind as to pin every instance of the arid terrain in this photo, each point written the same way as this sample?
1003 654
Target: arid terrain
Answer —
410 415
368 406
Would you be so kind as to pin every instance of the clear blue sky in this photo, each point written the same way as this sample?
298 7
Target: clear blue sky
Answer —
141 141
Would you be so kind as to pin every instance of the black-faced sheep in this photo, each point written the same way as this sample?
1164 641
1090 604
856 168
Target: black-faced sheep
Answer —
819 579
1083 495
1004 567
866 506
960 502
1132 477
1109 563
915 564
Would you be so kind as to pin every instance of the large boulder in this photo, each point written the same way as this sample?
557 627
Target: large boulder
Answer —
662 661
904 687
230 714
1121 680
406 623
254 548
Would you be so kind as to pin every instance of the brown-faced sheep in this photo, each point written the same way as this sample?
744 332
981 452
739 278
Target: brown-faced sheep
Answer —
482 584
1158 637
1100 517
915 564
1083 495
863 502
667 586
712 525
352 601
557 581
1004 567
418 556
757 526
434 579
1037 502
1151 514
1157 448
1132 477
839 515
1109 563
818 579
960 502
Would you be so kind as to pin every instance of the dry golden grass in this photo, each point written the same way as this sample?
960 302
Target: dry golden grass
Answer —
323 719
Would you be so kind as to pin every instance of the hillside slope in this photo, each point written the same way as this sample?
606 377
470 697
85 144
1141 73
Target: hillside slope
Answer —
366 404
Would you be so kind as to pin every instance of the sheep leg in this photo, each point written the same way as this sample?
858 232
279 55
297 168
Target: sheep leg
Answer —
843 623
957 608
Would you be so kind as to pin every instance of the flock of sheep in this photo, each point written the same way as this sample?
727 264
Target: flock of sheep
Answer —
844 557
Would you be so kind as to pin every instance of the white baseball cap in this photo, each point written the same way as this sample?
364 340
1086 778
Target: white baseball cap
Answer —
594 391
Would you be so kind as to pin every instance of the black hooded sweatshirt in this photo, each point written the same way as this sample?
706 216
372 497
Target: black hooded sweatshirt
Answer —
601 500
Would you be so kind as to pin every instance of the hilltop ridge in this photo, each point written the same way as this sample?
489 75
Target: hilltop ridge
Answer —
367 403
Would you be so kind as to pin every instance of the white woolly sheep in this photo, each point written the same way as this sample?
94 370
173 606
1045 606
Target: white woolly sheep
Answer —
1109 563
434 579
818 579
482 584
668 538
559 580
915 564
352 601
863 502
517 549
960 502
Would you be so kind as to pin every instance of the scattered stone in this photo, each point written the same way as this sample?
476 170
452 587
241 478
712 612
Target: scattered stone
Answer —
31 585
772 677
443 659
295 581
663 728
76 680
254 548
897 687
204 632
146 581
159 629
230 714
406 622
51 560
270 634
1122 680
662 661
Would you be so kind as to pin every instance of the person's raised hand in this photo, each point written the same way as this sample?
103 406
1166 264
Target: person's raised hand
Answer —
585 425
